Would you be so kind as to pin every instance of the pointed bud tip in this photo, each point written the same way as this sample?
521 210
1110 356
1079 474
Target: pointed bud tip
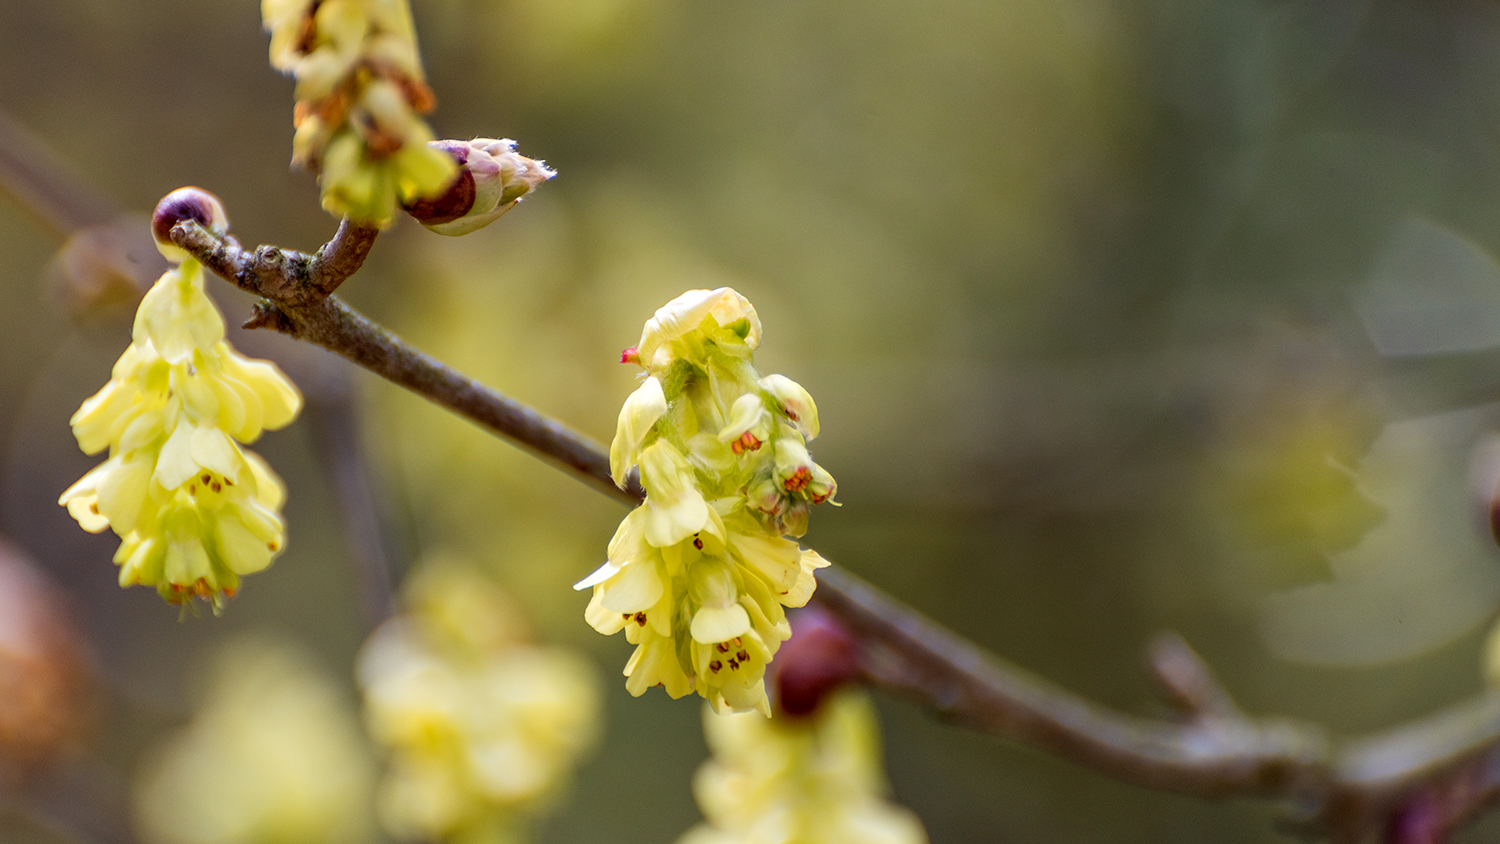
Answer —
631 355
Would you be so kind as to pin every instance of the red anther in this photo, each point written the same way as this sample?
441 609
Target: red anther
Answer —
747 442
798 480
820 657
229 591
631 355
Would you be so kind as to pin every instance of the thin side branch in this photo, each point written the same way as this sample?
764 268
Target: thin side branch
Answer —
1415 781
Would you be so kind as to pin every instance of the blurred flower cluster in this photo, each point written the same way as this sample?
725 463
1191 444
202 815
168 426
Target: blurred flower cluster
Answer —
360 91
784 780
482 727
46 684
194 510
273 756
698 575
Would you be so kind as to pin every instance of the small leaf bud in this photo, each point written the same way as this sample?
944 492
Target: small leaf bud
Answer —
183 204
492 178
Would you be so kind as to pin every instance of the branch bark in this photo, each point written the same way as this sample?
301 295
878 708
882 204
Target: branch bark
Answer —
1414 783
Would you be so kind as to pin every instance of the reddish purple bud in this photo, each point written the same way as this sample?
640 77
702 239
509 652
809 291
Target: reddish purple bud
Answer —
1420 820
820 657
631 355
454 202
184 204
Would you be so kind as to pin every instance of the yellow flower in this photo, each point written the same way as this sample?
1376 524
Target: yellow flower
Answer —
359 92
787 781
273 755
195 511
699 574
680 329
482 727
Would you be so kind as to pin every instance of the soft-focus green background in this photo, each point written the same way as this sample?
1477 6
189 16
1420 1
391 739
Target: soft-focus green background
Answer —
1121 316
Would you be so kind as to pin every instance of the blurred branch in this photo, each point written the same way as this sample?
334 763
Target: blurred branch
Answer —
79 800
1414 783
333 413
329 323
45 185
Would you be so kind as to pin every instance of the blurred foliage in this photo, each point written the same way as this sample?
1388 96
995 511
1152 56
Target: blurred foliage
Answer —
1109 309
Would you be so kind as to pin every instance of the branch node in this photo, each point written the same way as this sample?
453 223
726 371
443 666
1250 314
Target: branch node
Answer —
267 315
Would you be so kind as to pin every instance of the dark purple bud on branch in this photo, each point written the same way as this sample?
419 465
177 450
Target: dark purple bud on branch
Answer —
820 657
181 205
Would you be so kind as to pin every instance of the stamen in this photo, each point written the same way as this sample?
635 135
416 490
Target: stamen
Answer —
216 487
743 657
734 664
723 647
640 619
697 543
798 480
715 666
207 477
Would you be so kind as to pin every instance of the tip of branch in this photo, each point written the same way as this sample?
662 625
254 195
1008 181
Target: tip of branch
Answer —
1186 679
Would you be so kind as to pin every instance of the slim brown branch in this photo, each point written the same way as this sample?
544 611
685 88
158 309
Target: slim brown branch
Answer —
47 186
1426 776
334 416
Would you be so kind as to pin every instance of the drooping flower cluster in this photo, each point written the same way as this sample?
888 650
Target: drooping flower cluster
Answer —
792 780
194 510
273 755
698 575
360 91
481 726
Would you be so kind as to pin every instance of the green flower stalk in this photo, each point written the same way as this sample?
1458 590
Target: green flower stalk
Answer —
195 512
699 575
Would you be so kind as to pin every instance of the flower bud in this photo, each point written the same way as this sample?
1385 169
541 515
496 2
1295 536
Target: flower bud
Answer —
795 401
492 178
820 657
183 204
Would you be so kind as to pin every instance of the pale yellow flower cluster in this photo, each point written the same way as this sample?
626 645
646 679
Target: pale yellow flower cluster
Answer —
795 780
194 510
360 89
698 575
273 756
482 728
